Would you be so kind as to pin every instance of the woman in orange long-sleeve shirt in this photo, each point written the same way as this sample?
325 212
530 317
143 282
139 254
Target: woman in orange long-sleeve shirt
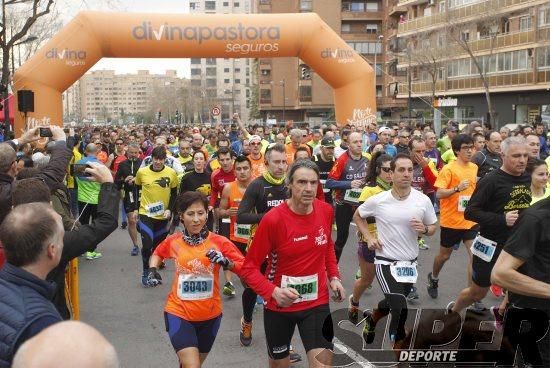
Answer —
193 309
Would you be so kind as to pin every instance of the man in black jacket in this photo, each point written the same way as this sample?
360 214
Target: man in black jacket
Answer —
32 235
52 173
79 240
125 179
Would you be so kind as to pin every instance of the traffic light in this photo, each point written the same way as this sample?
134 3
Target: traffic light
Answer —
304 73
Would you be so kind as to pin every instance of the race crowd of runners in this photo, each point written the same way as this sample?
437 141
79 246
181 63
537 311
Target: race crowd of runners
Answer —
261 204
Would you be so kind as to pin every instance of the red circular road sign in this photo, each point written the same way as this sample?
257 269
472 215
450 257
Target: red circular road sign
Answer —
216 111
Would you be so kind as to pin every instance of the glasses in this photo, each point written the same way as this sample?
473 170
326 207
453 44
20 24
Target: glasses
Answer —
385 169
255 144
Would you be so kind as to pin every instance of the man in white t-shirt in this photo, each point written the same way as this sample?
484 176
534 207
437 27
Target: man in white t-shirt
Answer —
401 214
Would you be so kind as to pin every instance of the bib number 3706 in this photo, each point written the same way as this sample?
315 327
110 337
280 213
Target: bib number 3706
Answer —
404 272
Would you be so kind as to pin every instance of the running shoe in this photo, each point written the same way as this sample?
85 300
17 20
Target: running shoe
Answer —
433 284
294 356
144 278
358 274
369 328
422 244
93 255
124 225
353 311
478 307
246 333
499 319
497 291
228 289
135 251
413 294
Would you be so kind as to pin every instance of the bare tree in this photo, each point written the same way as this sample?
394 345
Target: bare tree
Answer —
488 26
429 52
34 9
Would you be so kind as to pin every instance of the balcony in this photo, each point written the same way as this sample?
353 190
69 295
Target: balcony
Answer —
397 10
411 2
359 36
462 14
390 102
498 83
350 15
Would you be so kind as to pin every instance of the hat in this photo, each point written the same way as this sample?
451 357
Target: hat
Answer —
196 130
383 129
327 142
255 138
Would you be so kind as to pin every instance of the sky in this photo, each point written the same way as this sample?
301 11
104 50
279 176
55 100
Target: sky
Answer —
69 8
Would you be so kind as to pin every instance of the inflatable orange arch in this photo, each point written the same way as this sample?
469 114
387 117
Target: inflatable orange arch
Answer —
91 36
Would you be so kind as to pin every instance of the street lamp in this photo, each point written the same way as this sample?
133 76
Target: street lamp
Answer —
380 38
409 81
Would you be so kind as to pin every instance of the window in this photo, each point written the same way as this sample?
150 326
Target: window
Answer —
236 4
237 70
544 17
247 81
441 40
211 72
305 93
210 83
442 6
211 93
441 73
357 7
227 81
465 36
196 82
226 70
225 3
372 6
265 96
306 5
346 27
543 58
266 72
378 91
366 47
193 6
237 91
195 72
372 28
524 23
378 69
237 81
195 61
210 5
211 61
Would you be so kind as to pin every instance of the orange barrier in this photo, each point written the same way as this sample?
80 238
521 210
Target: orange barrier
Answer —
91 36
72 289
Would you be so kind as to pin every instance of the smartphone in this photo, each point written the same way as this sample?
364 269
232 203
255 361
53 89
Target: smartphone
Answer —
45 132
79 170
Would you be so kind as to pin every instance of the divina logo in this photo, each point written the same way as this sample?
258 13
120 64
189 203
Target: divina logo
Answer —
343 55
146 31
71 57
66 54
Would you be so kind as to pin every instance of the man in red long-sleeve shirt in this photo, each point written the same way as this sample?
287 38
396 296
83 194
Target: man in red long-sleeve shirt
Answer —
219 179
296 237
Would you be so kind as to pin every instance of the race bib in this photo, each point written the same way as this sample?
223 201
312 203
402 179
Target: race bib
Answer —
352 195
483 248
463 203
195 287
323 183
307 286
404 271
155 209
242 231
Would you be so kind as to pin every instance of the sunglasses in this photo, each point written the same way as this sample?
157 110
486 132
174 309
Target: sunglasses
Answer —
385 169
255 144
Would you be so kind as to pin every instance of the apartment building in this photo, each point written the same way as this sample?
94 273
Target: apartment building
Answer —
509 40
71 104
290 90
222 82
106 96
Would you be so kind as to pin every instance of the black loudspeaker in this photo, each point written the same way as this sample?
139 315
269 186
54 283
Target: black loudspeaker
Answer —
25 100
